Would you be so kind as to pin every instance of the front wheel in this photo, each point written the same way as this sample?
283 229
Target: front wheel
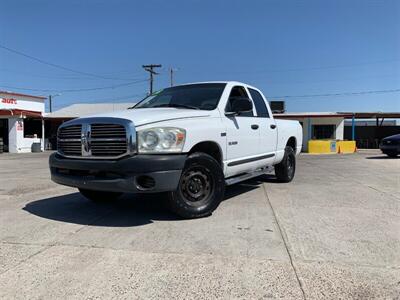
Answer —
201 187
392 154
285 170
99 196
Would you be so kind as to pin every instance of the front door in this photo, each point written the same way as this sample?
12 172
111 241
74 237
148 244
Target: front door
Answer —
242 133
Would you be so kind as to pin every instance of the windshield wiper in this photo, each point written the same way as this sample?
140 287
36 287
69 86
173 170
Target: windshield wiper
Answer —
177 105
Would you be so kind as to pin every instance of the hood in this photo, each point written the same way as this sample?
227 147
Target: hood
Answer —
392 137
142 116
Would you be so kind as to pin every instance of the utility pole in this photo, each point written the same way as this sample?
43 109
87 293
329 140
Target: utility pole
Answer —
50 104
51 101
171 75
149 68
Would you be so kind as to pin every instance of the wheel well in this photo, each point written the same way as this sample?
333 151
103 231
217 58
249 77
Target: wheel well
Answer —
210 148
292 143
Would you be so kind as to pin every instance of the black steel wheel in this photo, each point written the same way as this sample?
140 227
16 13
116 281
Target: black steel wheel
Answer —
201 187
196 185
286 169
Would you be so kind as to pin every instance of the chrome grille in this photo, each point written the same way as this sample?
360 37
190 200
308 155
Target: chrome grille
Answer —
70 132
69 140
108 140
97 138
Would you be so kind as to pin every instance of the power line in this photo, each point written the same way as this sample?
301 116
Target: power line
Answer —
302 69
76 90
57 77
329 67
103 100
115 98
339 94
56 65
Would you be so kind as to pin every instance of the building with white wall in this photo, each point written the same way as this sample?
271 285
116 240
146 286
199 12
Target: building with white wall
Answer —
21 122
318 125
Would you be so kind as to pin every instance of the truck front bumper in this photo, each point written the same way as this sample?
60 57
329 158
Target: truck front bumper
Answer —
139 173
390 149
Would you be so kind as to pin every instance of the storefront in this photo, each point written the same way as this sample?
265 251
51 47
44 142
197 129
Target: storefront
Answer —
21 122
318 126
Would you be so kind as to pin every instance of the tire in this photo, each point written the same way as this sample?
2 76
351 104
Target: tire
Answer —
201 187
392 154
286 169
99 196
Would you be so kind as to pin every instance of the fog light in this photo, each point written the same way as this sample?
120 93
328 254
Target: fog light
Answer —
145 182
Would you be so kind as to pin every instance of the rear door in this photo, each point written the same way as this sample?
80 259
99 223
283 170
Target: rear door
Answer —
242 133
268 130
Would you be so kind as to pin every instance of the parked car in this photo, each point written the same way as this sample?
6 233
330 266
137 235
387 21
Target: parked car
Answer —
188 140
391 145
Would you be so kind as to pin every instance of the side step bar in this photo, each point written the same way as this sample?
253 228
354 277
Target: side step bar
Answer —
238 178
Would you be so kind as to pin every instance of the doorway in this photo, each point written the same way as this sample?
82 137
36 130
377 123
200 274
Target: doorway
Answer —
4 133
321 132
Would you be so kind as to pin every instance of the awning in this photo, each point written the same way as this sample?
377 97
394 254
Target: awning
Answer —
312 115
20 113
373 115
346 115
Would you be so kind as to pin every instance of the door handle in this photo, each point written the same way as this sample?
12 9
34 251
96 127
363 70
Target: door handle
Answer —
273 126
254 126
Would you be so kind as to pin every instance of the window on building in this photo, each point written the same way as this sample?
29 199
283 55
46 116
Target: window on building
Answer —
259 102
323 132
32 127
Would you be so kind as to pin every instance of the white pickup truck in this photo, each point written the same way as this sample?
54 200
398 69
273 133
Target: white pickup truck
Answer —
188 140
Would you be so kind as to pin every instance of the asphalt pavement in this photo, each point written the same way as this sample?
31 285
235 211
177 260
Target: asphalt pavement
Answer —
334 232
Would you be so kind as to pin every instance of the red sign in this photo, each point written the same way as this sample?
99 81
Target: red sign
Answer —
9 101
20 125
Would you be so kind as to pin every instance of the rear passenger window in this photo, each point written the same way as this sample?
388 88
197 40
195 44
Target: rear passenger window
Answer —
261 108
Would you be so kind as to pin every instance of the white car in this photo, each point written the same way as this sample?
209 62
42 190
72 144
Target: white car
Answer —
188 140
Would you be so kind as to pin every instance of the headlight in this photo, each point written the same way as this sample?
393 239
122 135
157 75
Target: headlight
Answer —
161 139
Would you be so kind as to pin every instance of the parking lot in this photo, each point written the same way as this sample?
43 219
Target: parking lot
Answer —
334 232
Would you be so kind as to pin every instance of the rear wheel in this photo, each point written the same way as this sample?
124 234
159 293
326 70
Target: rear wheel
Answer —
99 196
201 187
286 169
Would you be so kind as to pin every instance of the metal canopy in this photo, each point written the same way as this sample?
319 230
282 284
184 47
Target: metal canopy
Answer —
20 113
373 115
346 115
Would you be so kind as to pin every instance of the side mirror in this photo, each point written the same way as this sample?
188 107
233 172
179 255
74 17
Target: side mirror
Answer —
239 105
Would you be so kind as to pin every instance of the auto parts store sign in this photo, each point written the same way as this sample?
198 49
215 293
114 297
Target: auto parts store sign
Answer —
23 104
9 101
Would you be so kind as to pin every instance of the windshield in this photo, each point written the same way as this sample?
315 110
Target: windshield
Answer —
203 96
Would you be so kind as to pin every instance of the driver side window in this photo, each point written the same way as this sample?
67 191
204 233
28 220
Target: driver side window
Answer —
238 91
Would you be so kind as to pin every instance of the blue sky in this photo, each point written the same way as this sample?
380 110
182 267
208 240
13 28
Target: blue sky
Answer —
285 48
